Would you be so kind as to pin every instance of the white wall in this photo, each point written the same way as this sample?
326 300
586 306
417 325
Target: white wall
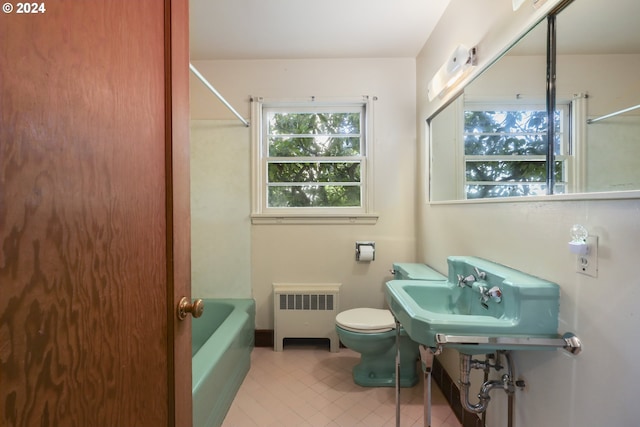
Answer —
597 387
321 253
221 232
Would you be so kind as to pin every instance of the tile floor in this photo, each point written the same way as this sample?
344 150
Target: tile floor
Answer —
308 386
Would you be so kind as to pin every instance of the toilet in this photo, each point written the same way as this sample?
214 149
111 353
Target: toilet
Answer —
372 333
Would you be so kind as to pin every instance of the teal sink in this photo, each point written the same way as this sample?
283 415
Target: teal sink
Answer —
524 307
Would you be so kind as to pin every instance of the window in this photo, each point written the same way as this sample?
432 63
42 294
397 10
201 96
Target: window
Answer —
313 159
505 150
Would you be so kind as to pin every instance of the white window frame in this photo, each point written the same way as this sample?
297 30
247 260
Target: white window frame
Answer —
565 146
578 164
263 214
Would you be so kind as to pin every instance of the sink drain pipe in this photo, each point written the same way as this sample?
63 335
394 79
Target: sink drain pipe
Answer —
505 383
485 379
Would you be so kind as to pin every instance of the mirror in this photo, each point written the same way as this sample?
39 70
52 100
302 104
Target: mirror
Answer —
598 58
491 141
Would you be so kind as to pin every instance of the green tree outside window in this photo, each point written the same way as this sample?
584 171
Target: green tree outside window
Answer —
505 152
314 159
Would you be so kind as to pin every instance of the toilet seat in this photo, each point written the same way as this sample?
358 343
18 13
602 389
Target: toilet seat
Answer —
366 320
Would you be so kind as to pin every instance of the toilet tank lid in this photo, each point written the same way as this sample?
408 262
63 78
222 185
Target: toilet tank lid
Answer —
415 271
366 319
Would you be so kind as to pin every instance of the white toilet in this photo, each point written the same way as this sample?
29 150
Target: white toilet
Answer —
372 333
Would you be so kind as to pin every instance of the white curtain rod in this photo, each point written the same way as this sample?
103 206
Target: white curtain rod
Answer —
216 93
635 107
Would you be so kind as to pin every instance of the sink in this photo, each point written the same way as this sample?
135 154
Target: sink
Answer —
451 299
429 310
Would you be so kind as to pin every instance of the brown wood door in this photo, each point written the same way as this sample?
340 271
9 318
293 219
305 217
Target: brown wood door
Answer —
94 214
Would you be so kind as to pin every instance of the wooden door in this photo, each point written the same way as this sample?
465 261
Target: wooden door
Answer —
94 214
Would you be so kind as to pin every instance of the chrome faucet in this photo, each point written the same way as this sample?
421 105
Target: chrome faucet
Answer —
495 294
465 281
468 280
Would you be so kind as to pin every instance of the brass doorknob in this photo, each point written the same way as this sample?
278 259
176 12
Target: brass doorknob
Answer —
185 306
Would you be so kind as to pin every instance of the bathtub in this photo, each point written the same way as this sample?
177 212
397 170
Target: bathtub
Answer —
222 340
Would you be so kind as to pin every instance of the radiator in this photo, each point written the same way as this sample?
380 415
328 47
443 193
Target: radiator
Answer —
305 310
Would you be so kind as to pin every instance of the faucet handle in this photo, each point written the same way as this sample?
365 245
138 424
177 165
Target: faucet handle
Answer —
465 280
495 294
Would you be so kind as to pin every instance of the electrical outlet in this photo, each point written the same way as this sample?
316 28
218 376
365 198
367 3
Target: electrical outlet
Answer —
588 264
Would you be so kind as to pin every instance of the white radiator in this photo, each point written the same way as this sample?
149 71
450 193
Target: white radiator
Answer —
305 310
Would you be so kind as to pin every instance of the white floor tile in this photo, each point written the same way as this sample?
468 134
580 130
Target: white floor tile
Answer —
310 386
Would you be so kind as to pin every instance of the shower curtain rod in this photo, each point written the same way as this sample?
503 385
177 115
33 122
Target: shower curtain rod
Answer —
216 93
635 107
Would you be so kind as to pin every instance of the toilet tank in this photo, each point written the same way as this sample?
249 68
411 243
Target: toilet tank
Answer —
415 271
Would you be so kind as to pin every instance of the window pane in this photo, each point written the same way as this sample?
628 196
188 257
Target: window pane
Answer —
522 171
560 148
560 180
492 145
508 190
314 196
505 121
314 172
314 123
318 146
521 131
493 137
560 188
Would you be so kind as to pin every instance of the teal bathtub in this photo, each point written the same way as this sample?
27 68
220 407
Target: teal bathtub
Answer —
221 355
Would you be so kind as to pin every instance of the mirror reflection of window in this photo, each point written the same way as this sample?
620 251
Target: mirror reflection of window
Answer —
500 112
505 149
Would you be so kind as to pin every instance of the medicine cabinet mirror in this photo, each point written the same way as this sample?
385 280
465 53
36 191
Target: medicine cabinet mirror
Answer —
491 141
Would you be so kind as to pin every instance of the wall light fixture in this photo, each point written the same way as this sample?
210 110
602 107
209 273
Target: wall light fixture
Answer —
456 66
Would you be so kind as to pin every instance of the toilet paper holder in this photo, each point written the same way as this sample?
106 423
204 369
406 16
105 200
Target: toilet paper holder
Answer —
365 251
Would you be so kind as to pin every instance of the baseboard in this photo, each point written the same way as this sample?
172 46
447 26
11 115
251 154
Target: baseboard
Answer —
264 338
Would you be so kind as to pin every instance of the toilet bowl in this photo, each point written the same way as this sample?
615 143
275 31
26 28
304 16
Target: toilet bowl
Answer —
371 332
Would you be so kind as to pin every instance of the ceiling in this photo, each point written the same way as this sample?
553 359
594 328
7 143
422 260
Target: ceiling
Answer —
297 29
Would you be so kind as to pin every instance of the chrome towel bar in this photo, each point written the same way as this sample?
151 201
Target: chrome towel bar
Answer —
568 341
